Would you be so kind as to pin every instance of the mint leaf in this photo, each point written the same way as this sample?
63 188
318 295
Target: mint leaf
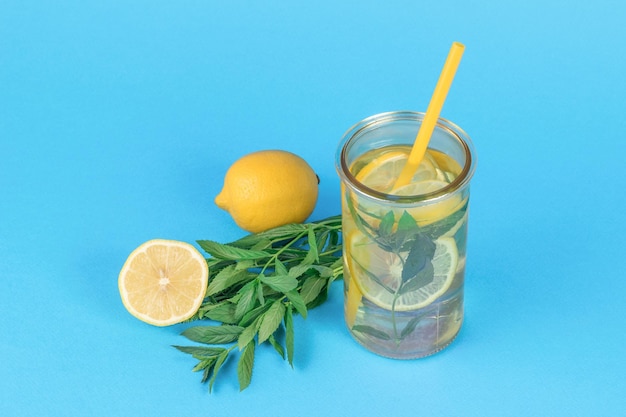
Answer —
280 283
213 334
247 335
379 334
298 270
312 288
218 365
246 300
313 254
297 302
227 252
277 346
324 271
244 366
406 232
280 268
201 351
410 327
226 278
205 365
271 320
386 224
421 253
407 223
253 314
421 279
223 312
289 334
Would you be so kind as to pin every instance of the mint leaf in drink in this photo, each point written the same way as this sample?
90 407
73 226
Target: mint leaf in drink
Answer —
441 227
386 225
379 334
407 224
424 277
410 327
406 232
419 257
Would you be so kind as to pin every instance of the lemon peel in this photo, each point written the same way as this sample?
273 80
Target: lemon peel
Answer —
269 188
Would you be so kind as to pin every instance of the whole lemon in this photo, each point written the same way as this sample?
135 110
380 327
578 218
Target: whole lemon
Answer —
269 188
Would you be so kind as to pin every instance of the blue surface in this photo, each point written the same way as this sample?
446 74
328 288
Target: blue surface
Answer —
118 120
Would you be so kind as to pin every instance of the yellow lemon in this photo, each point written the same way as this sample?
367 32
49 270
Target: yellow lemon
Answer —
163 282
267 189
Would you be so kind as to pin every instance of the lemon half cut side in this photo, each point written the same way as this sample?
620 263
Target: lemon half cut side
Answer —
163 282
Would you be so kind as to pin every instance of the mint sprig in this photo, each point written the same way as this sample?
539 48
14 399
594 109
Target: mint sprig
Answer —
256 285
413 246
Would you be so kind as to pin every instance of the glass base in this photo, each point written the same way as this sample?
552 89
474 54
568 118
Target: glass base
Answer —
411 334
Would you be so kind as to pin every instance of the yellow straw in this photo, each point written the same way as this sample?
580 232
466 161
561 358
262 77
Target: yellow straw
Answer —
432 114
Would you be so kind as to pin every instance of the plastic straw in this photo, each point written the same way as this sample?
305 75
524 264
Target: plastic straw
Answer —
432 114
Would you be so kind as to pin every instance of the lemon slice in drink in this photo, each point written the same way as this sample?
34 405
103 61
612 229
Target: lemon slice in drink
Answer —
435 210
353 301
381 172
421 187
163 282
378 273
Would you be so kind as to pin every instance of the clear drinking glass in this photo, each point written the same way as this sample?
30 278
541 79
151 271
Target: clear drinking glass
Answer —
404 249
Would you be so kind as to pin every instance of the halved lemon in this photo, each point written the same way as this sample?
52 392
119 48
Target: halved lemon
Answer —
378 273
163 282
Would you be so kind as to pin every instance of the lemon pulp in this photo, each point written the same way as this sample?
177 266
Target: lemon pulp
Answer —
378 274
163 282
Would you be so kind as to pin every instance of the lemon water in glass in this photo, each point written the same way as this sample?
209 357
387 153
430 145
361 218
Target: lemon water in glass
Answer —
404 247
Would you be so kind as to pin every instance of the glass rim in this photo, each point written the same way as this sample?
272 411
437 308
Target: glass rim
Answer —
367 124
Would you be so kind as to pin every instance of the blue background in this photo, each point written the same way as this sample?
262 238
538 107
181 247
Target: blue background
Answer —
118 120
